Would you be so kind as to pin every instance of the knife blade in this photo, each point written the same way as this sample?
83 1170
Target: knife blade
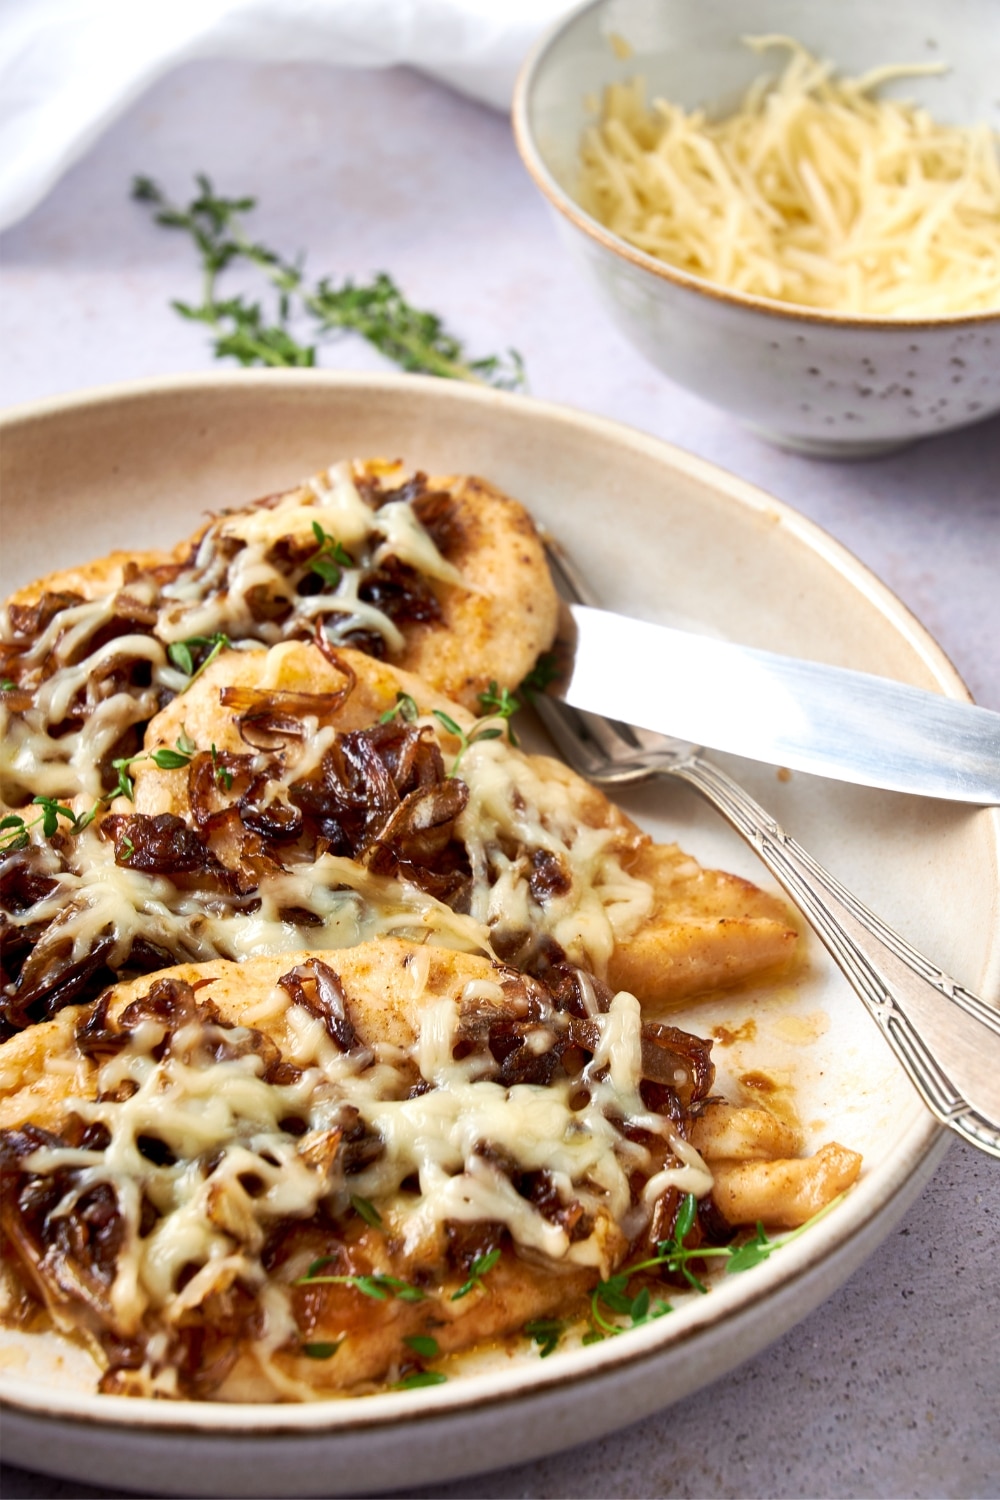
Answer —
803 715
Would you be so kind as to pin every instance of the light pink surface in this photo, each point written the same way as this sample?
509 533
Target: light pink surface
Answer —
890 1389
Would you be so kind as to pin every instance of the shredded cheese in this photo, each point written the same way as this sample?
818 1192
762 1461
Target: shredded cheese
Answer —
814 192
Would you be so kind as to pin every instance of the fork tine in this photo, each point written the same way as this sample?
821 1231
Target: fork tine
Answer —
571 587
590 744
566 728
610 735
602 749
618 742
568 581
577 733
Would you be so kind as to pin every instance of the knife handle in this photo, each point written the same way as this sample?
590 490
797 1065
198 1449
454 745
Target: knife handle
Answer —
947 1039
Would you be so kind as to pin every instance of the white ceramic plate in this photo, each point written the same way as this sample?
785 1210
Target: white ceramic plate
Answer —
664 536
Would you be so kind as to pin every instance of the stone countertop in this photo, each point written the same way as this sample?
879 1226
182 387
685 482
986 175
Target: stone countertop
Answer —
889 1389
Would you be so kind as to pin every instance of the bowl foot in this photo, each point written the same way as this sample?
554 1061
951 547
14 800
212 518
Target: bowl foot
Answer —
822 447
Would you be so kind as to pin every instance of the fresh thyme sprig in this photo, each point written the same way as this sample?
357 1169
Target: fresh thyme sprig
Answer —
500 703
166 759
405 708
378 1286
542 675
546 1333
15 830
243 330
479 731
329 558
182 653
612 1296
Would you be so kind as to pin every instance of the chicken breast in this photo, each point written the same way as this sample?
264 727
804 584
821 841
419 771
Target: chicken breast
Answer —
302 1174
301 795
275 1162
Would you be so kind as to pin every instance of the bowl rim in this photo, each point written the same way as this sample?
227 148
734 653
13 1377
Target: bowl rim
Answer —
559 199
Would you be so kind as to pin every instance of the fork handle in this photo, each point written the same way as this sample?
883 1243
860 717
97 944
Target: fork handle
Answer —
947 1039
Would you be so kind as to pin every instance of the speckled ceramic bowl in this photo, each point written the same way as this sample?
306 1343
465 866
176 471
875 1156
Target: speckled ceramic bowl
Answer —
839 385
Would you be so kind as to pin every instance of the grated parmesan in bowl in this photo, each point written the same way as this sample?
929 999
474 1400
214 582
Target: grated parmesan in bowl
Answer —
816 250
816 191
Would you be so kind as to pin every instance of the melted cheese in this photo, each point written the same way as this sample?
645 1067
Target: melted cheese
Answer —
515 805
229 1168
518 806
813 192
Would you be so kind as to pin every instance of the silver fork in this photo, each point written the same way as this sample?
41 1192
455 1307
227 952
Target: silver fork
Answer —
946 1038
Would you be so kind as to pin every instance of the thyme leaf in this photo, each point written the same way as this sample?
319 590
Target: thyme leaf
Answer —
165 758
612 1296
320 1351
479 731
377 1285
182 654
367 1211
500 703
418 1378
170 760
223 776
546 1333
179 653
405 708
423 1344
751 1253
542 675
479 1268
244 330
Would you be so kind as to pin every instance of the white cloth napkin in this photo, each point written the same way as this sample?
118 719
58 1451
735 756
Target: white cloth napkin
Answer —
68 68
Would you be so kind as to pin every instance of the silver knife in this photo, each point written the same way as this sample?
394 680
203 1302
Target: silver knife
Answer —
826 720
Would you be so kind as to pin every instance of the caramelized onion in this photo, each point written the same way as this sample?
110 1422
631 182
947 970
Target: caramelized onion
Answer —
157 845
316 987
266 720
28 621
400 593
51 978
